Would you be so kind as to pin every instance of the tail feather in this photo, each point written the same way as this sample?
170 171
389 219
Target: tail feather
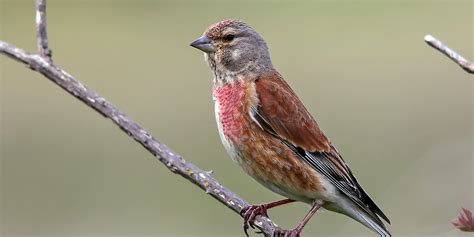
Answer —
375 225
373 206
370 220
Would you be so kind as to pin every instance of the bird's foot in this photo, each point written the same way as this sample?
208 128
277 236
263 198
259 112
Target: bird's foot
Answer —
288 233
249 213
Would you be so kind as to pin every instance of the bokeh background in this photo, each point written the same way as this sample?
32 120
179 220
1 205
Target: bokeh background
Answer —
399 112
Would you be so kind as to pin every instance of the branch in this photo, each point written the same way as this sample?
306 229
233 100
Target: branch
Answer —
42 63
438 45
41 35
465 221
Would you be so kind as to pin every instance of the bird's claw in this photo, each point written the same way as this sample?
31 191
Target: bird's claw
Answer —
249 213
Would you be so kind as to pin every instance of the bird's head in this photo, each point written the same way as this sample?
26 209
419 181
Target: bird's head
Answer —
233 48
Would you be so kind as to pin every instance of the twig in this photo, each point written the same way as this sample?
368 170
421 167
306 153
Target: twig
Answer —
438 45
42 63
41 34
465 221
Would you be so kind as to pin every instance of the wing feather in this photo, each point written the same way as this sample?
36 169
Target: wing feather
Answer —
283 115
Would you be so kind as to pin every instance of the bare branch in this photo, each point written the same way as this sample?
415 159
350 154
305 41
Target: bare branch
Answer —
438 45
42 63
41 34
163 153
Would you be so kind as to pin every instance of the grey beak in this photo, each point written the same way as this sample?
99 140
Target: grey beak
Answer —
203 43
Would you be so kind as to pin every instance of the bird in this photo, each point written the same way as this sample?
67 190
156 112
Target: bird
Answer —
269 133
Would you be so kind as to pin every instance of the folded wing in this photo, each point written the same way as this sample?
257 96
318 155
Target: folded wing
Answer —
281 113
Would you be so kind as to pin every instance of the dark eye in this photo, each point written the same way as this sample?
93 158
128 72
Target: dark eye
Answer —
229 37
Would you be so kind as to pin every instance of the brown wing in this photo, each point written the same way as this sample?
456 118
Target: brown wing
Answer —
287 116
281 113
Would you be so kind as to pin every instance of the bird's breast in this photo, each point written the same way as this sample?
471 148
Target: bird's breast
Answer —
262 156
229 104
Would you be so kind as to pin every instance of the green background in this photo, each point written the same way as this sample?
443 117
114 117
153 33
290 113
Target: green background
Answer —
400 113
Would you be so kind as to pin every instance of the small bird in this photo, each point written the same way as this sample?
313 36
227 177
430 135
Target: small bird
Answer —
267 130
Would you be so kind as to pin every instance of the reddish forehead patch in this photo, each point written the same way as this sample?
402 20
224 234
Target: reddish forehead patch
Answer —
216 29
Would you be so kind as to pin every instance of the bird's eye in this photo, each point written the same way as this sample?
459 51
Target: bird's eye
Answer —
229 37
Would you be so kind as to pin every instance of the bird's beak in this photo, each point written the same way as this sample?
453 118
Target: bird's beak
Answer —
203 43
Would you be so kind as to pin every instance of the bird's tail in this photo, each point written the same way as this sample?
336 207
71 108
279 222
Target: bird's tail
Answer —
370 220
373 224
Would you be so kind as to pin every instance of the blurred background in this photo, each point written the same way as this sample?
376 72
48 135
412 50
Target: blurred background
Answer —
400 113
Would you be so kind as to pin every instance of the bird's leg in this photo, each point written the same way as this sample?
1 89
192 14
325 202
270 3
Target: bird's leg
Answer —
296 231
249 213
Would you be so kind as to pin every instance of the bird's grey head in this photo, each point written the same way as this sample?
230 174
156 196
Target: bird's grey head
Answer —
233 49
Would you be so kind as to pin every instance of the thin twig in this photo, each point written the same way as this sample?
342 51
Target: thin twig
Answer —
42 63
465 221
457 58
41 33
